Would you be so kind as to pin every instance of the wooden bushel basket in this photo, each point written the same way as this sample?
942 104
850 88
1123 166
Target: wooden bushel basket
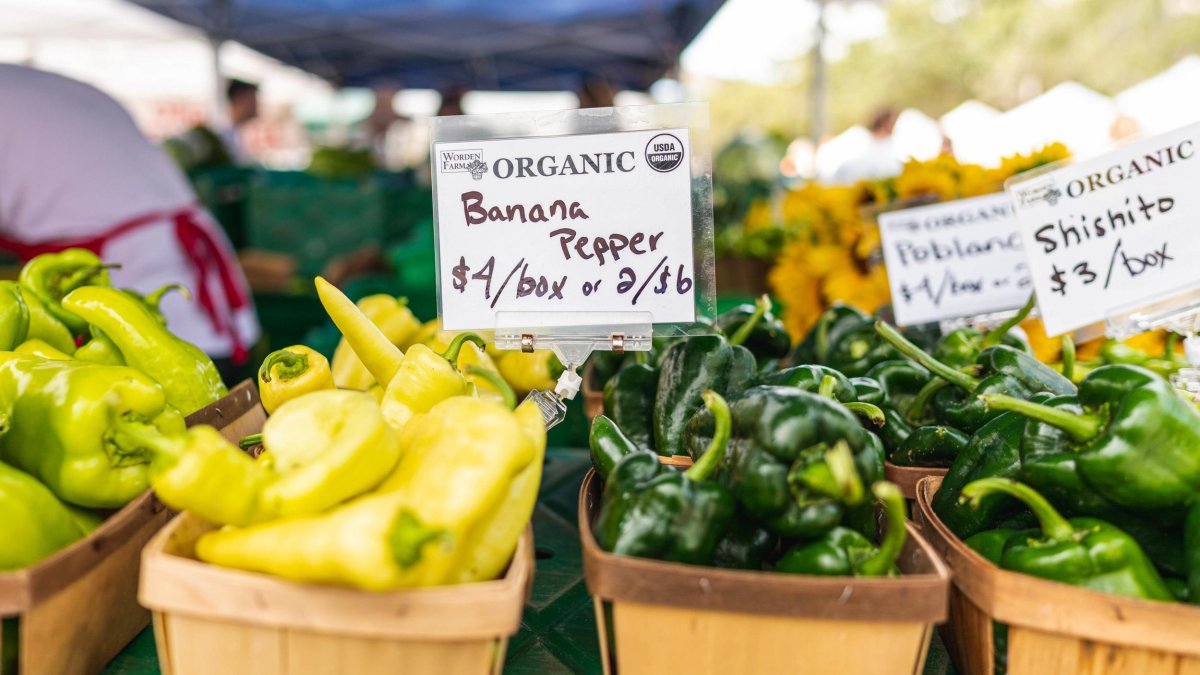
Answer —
78 608
907 477
733 622
593 393
1052 627
209 619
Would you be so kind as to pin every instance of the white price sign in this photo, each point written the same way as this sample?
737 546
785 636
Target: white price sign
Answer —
596 223
1113 233
954 259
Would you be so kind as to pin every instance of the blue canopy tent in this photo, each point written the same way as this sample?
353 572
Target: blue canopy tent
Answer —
525 45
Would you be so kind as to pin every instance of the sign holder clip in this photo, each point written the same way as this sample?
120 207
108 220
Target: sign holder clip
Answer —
1178 312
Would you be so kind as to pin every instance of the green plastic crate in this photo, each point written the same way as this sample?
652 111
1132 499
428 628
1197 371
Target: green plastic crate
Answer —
313 219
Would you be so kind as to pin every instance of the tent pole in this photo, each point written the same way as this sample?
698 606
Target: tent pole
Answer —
818 90
218 29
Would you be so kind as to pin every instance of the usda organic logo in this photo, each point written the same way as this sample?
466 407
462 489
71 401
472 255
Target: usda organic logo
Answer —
664 152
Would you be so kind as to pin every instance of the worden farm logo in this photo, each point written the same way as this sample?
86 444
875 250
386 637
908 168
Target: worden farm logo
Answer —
462 161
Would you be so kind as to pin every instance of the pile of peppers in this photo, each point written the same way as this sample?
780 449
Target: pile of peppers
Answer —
79 361
421 470
787 468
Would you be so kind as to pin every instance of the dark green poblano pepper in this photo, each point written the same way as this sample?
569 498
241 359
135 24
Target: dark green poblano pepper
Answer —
1083 552
653 511
779 434
846 552
999 370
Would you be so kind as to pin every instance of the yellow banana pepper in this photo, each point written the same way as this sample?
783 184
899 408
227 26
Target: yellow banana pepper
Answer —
472 359
499 533
291 372
36 347
419 528
529 371
378 355
424 379
319 450
397 323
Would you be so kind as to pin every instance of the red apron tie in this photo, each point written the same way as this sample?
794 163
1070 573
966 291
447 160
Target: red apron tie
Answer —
199 247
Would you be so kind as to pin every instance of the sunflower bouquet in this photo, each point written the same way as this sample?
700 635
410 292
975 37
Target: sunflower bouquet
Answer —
831 250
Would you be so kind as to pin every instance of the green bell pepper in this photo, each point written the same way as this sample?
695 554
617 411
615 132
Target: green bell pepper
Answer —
829 329
846 552
745 546
652 511
780 433
51 276
187 375
63 416
993 451
1000 370
36 523
46 327
960 348
14 316
1083 552
629 401
1137 443
688 367
764 334
930 446
608 445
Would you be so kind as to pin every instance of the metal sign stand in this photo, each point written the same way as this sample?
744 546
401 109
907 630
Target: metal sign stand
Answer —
574 337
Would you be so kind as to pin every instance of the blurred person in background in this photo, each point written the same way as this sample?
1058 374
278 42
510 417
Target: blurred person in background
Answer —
596 93
878 159
451 102
76 172
242 98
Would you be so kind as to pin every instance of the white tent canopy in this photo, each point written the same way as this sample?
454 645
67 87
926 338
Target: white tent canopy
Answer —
1166 101
971 129
916 135
1070 113
144 60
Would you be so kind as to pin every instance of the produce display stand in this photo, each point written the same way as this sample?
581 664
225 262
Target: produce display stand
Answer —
1053 627
209 619
77 609
734 621
213 620
907 477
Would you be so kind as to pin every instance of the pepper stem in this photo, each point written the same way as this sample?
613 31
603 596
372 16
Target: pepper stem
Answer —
155 297
722 424
1054 526
761 307
408 537
845 475
868 411
451 353
290 365
250 441
1080 427
128 442
916 407
902 344
881 562
84 275
381 358
498 383
995 335
825 388
1068 357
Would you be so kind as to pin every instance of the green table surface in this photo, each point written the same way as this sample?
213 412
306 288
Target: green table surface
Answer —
558 629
